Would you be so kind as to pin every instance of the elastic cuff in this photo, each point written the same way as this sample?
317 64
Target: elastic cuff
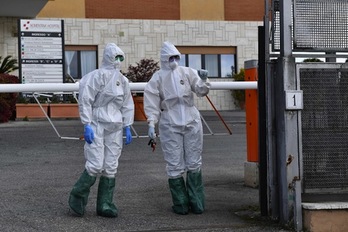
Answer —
195 170
151 123
175 177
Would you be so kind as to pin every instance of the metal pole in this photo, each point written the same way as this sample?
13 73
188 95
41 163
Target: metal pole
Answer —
68 87
217 112
287 127
48 118
285 54
263 196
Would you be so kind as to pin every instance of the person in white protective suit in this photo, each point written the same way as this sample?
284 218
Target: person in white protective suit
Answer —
106 108
169 100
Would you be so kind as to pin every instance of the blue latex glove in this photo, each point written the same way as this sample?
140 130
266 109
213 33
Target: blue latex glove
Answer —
203 74
151 132
128 135
89 134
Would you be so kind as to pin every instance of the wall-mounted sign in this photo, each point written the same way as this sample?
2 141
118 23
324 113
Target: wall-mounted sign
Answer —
294 100
41 51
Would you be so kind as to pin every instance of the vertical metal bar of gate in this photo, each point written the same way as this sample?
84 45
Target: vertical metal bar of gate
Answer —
285 54
287 126
263 196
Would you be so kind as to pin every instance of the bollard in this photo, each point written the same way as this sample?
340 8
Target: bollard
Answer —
251 169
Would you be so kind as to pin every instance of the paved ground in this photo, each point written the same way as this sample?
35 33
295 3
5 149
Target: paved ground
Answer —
38 170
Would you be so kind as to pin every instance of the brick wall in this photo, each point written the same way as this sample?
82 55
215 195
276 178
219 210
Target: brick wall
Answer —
235 10
133 9
246 10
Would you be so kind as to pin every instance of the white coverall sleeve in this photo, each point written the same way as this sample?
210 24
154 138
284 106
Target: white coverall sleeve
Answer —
152 100
200 87
127 109
88 89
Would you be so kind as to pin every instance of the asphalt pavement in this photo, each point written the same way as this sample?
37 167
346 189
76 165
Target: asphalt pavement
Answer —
39 168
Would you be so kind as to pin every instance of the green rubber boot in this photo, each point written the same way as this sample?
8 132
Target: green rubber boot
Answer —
195 191
79 194
179 195
105 206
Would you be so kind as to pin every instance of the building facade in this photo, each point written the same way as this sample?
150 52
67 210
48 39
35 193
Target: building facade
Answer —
216 35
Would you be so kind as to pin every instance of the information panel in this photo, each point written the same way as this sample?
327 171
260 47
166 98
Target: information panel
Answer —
41 51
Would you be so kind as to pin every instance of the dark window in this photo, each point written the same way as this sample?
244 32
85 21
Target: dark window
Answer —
79 60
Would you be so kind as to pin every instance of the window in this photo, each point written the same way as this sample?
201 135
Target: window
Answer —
228 67
211 63
219 61
79 60
194 61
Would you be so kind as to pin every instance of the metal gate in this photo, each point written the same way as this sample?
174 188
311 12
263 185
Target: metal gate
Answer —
324 126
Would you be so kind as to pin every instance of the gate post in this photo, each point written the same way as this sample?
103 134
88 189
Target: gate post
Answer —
251 166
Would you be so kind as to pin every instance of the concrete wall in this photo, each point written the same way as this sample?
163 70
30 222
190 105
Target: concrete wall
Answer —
143 38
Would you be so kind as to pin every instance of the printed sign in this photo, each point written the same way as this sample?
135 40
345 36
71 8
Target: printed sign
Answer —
41 51
294 100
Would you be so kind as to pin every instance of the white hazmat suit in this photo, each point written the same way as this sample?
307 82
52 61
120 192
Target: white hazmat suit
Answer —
106 107
169 100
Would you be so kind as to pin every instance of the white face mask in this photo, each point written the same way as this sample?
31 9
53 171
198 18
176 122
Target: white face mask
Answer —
117 64
173 65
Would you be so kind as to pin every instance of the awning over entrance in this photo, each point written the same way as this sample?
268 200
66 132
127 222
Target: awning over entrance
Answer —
21 8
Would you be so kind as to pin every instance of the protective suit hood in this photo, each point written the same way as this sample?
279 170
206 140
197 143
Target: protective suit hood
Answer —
110 52
168 50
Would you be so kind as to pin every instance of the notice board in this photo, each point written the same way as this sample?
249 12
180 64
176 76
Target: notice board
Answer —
41 51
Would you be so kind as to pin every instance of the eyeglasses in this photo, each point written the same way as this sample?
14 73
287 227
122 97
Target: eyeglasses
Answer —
119 57
172 58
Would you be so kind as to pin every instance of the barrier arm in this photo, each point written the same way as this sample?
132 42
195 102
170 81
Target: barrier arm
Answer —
41 88
139 86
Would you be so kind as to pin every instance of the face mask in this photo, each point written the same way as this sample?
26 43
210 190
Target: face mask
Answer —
173 65
117 64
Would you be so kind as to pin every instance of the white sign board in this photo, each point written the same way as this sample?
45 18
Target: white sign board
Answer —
41 51
294 99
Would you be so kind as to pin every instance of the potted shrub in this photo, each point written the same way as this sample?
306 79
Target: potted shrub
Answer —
27 107
239 94
8 100
141 72
63 106
14 105
56 106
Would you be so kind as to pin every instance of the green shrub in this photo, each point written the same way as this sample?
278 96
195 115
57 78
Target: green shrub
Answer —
239 94
142 71
7 100
8 64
